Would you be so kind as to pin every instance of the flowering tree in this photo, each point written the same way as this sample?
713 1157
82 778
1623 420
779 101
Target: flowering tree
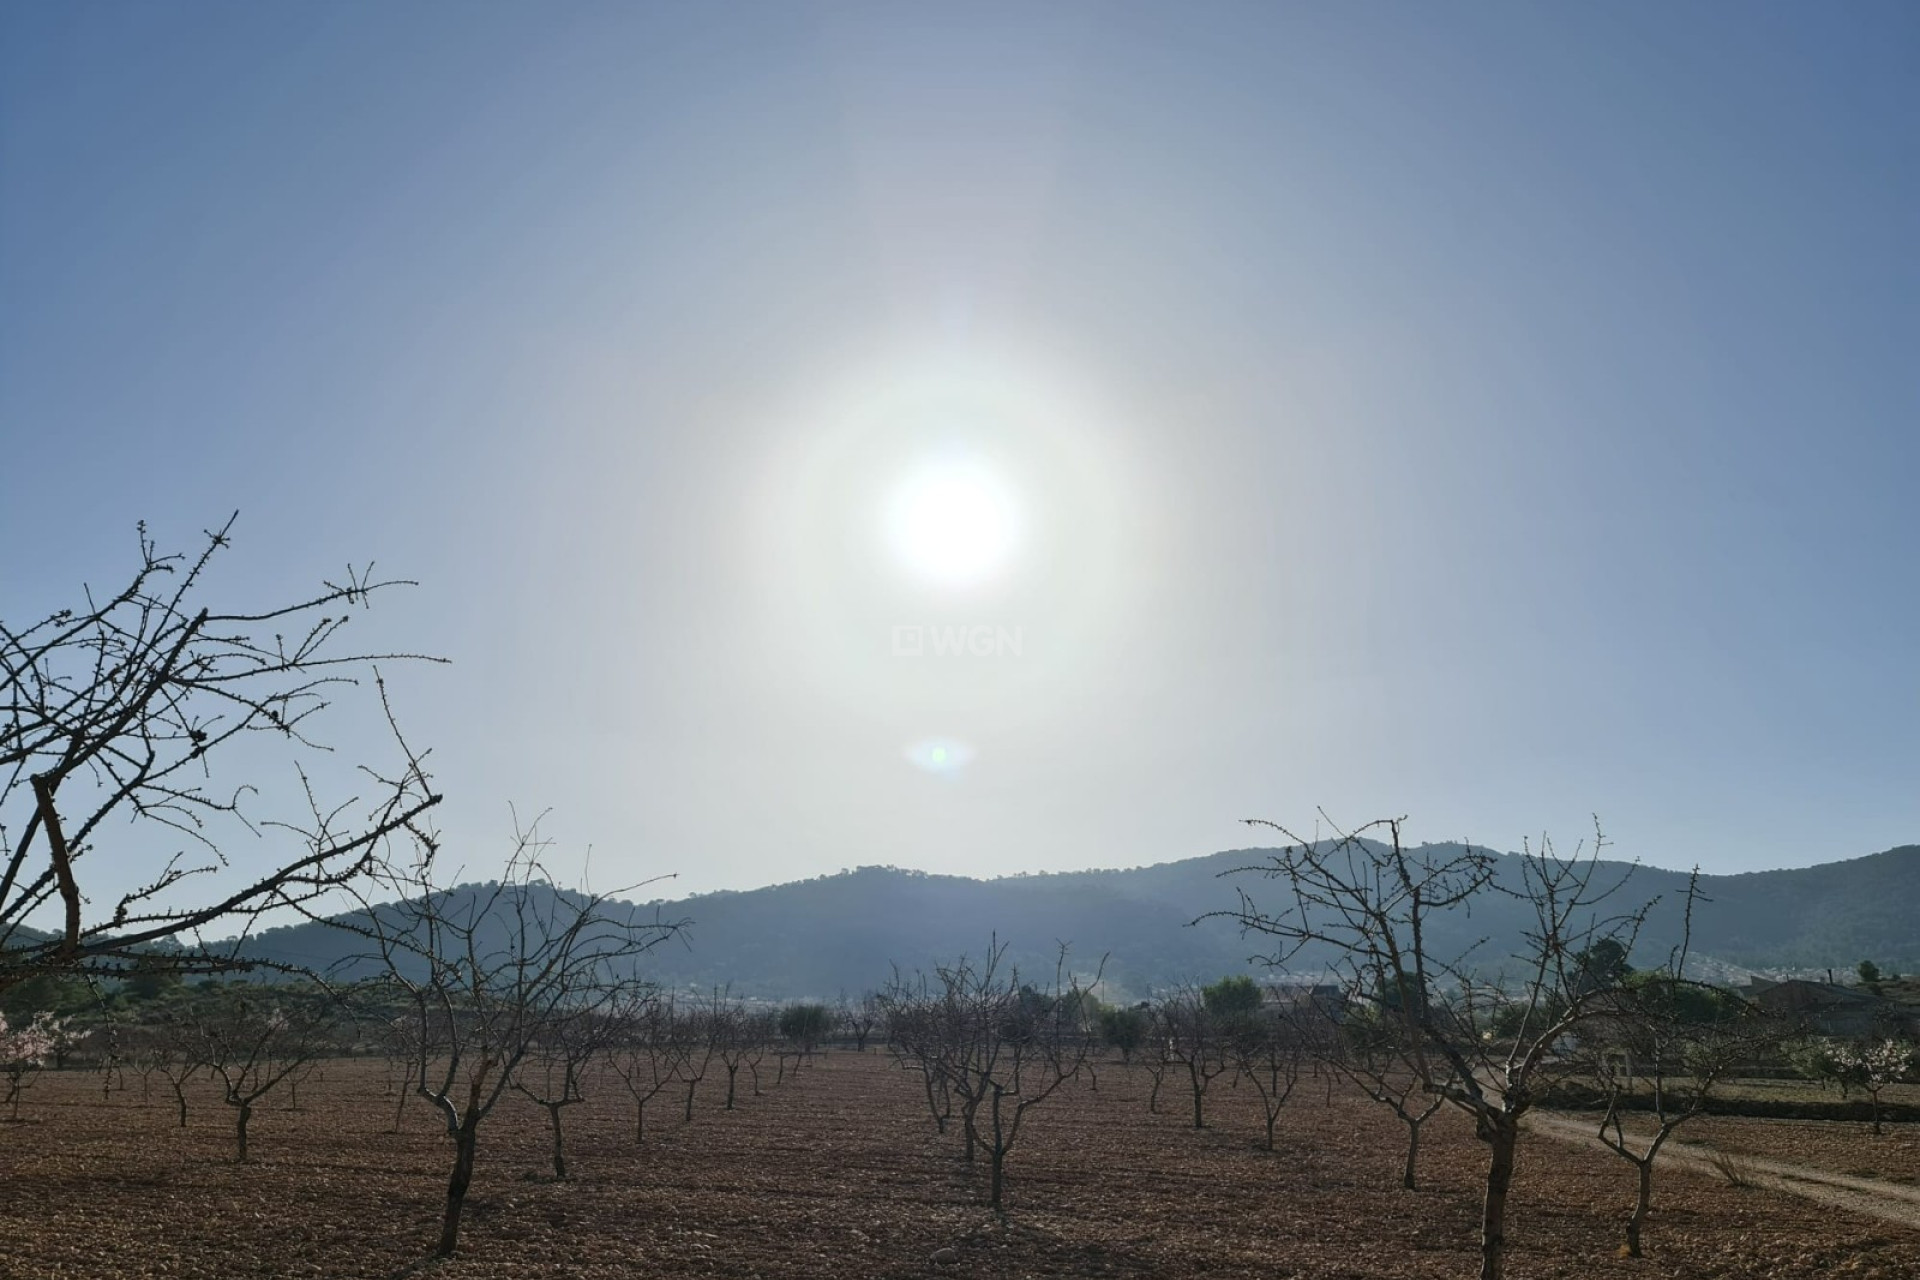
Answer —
23 1051
1872 1065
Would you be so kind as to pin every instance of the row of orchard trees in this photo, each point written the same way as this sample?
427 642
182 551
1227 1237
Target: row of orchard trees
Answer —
989 1047
185 735
1357 912
468 1051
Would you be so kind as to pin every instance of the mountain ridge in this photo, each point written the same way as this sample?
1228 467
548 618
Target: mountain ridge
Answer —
852 930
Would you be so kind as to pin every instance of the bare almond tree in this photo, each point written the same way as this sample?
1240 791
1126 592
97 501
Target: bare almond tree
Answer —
1004 1047
859 1018
1196 1041
139 721
1155 1055
644 1052
490 974
1268 1052
1363 906
1657 1054
911 1037
1373 1055
252 1041
550 1074
179 1058
698 1035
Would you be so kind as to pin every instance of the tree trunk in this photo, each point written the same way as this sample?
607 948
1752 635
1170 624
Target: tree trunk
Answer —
1640 1206
1193 1078
732 1071
999 1158
1413 1154
465 1139
939 1115
180 1096
640 1122
559 1143
1502 1133
240 1130
691 1086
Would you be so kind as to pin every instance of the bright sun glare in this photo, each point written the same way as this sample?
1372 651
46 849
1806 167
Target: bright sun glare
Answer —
951 523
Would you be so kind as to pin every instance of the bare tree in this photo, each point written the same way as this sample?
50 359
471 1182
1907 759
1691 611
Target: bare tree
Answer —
645 1053
1364 906
143 1052
913 1042
1374 1056
1004 1048
576 1033
697 1033
733 1033
1659 1051
179 1051
1196 1041
1268 1053
129 714
489 974
253 1041
859 1018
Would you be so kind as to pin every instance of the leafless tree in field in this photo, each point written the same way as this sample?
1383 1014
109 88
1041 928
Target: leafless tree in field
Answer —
1004 1048
909 1019
1363 906
1155 1055
140 720
179 1059
697 1033
645 1053
489 974
142 1052
1659 1052
735 1033
858 1019
549 1074
1197 1042
1374 1057
253 1041
1268 1052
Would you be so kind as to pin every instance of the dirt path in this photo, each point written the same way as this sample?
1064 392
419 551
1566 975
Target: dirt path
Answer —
1886 1200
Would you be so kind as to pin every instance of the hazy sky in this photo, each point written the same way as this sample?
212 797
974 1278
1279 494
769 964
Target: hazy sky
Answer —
1494 414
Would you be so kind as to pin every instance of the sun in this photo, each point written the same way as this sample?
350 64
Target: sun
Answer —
951 523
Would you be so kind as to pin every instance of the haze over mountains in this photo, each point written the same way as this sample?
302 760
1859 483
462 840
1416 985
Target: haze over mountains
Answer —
847 932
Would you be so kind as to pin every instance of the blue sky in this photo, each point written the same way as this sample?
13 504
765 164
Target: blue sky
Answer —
1496 414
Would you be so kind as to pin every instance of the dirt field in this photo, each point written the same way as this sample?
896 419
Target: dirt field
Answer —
840 1173
1835 1146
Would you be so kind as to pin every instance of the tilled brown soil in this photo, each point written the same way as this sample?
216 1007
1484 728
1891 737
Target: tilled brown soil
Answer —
839 1173
1836 1146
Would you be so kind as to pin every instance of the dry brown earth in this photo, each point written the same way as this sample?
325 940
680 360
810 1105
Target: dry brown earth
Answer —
840 1174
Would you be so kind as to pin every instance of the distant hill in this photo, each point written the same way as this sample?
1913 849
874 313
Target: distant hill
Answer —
846 932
